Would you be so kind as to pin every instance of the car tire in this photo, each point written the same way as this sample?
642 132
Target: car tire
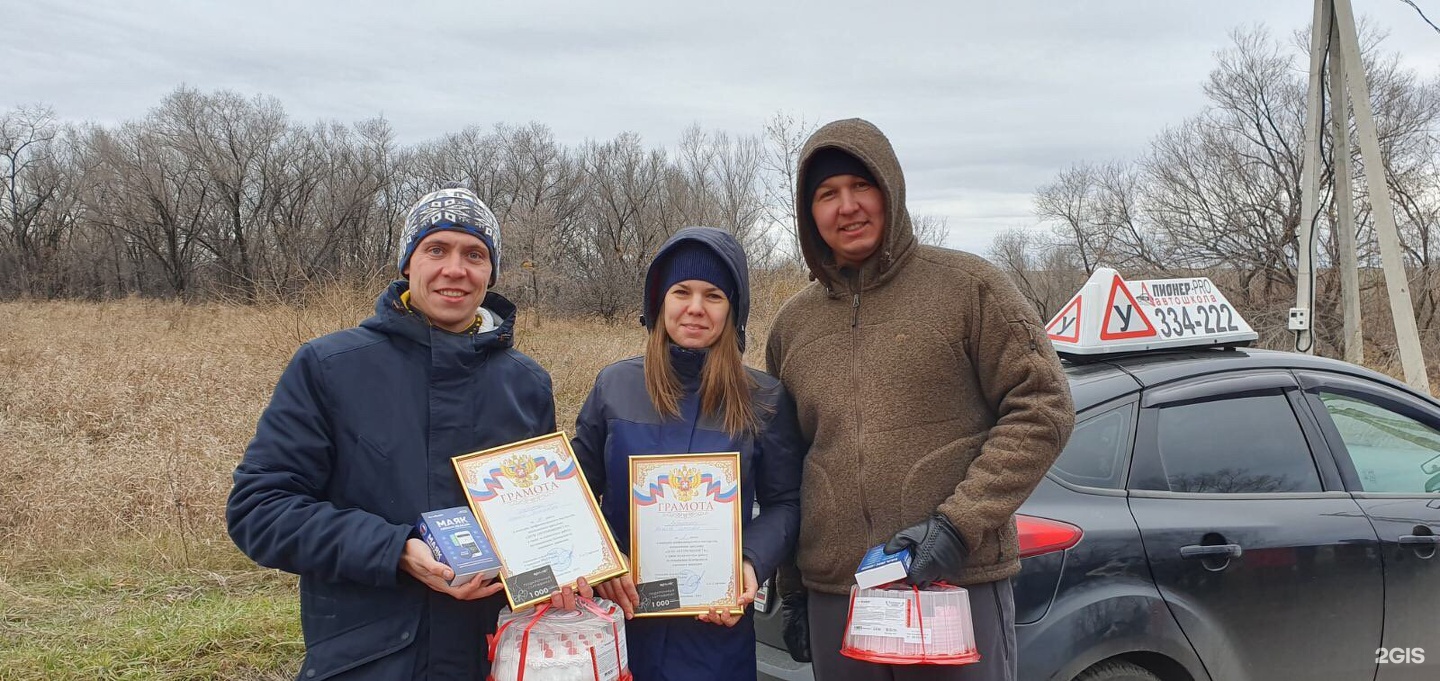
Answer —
1116 670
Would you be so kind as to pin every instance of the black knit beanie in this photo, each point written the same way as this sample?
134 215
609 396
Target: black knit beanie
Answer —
828 163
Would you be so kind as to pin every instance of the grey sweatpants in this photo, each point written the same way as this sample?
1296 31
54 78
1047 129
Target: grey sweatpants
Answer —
992 607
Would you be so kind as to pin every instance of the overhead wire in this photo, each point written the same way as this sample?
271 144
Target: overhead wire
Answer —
1422 14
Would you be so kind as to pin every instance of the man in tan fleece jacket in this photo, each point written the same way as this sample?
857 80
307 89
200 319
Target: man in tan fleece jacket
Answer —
931 394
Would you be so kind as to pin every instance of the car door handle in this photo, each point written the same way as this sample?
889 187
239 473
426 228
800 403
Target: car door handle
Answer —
1420 539
1211 551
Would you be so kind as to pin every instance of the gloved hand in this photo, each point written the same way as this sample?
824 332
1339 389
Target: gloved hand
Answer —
795 615
936 550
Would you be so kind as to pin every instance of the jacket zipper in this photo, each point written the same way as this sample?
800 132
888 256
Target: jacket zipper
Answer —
859 427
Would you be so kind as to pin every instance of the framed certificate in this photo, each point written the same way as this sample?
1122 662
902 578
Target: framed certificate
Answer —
685 521
533 502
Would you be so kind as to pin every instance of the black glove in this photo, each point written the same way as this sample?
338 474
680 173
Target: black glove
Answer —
936 550
795 615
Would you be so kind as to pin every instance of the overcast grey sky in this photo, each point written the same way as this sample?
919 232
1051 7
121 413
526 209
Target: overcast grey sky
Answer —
984 101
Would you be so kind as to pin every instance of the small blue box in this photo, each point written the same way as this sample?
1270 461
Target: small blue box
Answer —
878 568
455 539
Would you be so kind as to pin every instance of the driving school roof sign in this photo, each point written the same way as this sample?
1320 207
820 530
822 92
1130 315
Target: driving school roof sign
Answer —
1111 315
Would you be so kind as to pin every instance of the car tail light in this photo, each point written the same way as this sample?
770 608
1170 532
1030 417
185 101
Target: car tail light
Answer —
1042 535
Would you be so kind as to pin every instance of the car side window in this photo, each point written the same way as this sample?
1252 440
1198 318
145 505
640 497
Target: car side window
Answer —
1391 452
1098 450
1246 444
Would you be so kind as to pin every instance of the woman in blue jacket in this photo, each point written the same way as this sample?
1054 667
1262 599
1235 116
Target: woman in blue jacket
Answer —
691 392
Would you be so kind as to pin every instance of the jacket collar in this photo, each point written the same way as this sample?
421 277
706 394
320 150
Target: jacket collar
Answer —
688 363
393 318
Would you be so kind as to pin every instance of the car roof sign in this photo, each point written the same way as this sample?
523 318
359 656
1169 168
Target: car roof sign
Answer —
1110 315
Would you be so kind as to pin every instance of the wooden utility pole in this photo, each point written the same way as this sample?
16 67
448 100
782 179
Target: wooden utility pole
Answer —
1333 38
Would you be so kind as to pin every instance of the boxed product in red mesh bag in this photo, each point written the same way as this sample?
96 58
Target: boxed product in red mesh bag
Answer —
546 644
906 625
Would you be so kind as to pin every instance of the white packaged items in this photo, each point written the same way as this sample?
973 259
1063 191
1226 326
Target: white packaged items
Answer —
905 625
546 644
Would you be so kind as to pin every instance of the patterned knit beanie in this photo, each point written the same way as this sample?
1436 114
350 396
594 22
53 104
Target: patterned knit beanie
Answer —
452 208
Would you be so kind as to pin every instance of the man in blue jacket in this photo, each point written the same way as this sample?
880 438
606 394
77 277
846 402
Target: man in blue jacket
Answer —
356 443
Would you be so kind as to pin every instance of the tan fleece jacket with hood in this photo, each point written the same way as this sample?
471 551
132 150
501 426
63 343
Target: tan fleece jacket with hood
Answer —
924 381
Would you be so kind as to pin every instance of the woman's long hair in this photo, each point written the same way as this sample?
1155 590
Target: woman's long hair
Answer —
724 384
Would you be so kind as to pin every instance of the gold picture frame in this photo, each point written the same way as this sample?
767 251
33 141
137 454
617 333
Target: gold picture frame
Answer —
664 488
530 495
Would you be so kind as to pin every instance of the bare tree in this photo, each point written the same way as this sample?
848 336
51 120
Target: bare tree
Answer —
1095 211
737 193
37 209
234 141
624 184
784 136
1044 273
155 199
541 220
328 219
714 181
471 156
930 229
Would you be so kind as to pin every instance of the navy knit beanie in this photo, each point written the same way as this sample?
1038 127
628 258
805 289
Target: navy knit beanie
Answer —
828 163
693 260
452 208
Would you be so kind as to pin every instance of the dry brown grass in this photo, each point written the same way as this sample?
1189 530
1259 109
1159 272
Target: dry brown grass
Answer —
122 421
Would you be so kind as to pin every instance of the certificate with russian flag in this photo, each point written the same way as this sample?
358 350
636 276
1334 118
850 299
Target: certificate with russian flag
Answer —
534 505
685 521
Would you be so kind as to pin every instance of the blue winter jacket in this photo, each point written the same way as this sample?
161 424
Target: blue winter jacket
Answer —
618 421
355 444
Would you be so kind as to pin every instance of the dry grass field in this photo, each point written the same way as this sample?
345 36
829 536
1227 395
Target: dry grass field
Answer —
121 423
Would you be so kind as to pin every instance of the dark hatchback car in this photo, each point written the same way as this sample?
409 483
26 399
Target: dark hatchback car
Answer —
1230 515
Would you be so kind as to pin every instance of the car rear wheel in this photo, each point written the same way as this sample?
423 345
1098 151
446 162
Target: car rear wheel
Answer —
1116 670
